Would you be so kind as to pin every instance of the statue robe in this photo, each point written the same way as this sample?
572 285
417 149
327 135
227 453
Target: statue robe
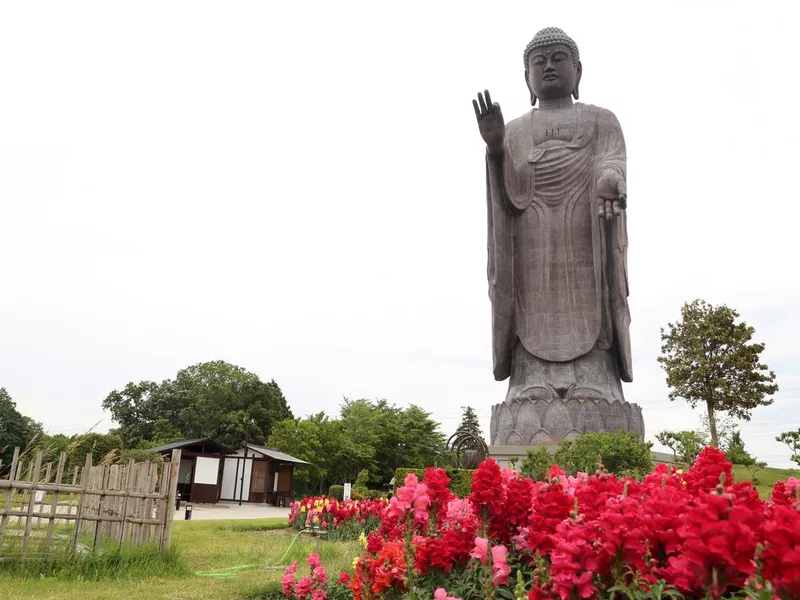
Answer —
557 272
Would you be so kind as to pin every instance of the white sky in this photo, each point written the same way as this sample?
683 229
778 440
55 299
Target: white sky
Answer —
298 188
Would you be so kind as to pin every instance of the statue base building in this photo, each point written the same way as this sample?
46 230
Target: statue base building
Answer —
537 421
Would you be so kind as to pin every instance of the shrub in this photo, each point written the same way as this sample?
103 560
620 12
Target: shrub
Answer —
336 491
536 464
621 453
362 480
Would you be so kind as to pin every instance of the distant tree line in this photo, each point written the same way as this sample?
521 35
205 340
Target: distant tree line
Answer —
372 436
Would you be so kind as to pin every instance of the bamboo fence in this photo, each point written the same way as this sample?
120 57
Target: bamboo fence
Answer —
126 503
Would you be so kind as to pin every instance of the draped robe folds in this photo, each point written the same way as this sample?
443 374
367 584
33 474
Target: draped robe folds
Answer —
557 272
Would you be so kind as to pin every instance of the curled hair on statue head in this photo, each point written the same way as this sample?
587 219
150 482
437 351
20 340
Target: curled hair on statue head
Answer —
547 37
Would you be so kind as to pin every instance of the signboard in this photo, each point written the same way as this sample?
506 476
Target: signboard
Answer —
347 491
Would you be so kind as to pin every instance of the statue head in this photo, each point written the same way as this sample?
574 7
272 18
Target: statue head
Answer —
552 65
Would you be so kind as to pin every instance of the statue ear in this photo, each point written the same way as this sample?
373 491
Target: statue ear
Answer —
530 89
575 93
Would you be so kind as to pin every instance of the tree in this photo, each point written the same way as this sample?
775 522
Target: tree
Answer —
792 440
735 451
685 445
372 436
99 445
213 399
469 422
709 358
726 427
16 430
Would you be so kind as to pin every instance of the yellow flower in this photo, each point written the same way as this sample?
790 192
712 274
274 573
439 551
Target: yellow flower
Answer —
355 562
363 539
679 471
302 509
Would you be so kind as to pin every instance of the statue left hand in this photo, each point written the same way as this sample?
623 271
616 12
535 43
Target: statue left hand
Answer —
612 194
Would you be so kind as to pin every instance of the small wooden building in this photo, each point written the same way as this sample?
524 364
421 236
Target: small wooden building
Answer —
210 473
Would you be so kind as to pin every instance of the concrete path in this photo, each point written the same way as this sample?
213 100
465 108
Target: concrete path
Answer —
227 510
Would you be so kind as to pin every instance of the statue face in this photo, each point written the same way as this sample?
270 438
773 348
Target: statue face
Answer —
552 74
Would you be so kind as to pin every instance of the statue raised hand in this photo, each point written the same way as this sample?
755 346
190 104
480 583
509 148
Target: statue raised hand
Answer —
490 122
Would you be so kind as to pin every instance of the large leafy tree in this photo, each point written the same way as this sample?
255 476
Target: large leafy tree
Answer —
710 359
214 399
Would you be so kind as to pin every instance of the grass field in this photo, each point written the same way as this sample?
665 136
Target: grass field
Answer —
202 547
766 477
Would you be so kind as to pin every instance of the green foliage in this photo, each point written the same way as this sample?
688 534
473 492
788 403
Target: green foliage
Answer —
99 445
709 358
622 453
735 451
336 491
16 430
140 455
362 479
460 479
537 463
792 440
213 399
685 445
469 422
109 561
375 437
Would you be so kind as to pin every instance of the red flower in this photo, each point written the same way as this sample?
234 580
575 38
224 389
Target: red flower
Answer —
706 472
551 505
781 554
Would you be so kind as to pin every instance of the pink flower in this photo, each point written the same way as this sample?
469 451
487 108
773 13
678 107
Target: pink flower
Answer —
500 568
412 496
480 551
319 575
313 560
303 587
288 579
441 594
319 594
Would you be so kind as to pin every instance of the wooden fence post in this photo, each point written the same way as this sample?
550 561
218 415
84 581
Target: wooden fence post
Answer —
54 504
9 497
37 469
171 481
85 475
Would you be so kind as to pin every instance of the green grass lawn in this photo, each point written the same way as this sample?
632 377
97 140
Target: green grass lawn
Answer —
203 546
766 477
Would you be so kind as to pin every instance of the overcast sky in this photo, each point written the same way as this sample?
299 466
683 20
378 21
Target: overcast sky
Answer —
298 188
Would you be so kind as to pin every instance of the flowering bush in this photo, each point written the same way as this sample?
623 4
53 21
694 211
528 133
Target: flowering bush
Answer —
346 519
673 535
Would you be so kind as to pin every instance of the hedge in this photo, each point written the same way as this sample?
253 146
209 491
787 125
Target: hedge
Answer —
460 479
337 491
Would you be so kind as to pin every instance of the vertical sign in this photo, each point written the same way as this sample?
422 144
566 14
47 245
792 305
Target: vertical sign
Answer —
347 491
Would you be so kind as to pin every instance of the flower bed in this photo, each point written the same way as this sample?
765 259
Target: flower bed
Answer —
347 519
673 535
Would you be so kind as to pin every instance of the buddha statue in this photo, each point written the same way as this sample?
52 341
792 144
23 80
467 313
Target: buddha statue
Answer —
557 264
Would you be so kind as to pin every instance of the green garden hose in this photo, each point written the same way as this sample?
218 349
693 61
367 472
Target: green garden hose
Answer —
232 571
